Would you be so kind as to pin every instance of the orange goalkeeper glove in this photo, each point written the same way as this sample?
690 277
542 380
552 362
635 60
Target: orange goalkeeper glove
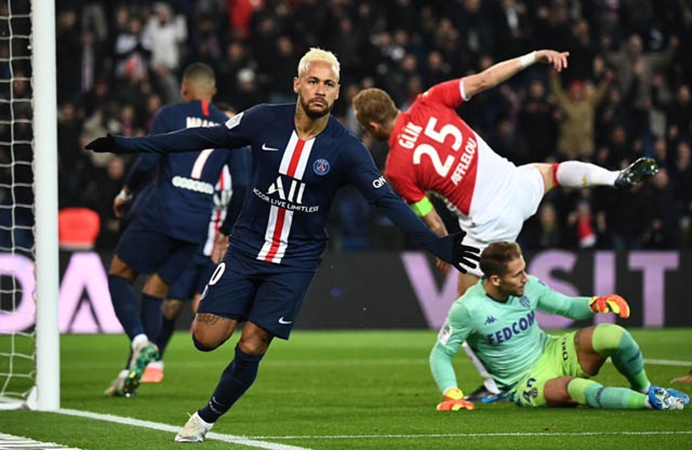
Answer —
613 303
454 401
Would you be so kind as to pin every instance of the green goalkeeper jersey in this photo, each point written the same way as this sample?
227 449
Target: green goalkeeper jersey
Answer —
504 335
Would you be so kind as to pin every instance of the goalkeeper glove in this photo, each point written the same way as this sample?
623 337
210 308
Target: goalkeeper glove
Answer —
613 303
454 401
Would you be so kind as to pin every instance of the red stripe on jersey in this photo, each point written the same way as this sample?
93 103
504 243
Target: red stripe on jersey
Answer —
291 172
276 237
205 108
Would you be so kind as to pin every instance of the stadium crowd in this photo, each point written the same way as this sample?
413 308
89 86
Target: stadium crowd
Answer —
625 94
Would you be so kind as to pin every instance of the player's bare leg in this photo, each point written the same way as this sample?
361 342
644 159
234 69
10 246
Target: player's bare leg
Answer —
209 330
556 393
170 310
465 281
195 302
686 379
120 269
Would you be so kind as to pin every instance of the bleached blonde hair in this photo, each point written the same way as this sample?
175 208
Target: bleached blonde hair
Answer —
317 54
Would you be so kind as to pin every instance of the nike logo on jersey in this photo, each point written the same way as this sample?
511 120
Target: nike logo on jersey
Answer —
284 322
269 149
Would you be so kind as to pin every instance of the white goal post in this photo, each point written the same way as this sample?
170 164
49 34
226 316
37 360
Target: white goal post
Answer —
44 350
47 396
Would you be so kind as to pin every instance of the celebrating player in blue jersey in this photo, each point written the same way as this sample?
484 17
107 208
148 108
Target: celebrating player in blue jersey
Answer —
301 156
163 237
497 317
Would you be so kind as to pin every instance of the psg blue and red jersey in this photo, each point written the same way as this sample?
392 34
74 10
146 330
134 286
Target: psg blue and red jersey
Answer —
181 199
293 183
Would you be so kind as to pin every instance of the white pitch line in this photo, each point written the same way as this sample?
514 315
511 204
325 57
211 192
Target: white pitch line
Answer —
172 429
11 442
473 435
668 362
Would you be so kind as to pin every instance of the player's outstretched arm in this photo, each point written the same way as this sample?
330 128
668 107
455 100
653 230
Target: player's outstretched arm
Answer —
445 378
448 248
426 211
187 140
502 71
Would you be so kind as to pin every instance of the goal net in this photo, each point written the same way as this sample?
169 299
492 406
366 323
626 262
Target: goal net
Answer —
29 342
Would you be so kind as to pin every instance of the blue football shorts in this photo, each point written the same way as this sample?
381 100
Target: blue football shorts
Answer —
245 289
193 279
148 251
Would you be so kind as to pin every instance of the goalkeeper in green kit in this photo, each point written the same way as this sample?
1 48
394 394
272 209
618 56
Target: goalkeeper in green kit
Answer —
497 317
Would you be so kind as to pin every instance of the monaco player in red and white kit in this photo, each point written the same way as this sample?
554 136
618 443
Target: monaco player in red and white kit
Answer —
432 149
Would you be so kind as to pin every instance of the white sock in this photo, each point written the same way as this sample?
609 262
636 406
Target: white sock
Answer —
206 424
580 174
156 365
138 340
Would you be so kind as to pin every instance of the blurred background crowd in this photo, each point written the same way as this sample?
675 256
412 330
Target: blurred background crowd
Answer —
625 94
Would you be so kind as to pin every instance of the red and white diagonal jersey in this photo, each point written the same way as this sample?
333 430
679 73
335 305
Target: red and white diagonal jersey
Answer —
432 149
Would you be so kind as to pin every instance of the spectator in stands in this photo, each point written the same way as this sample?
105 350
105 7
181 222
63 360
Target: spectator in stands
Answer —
679 114
536 121
633 65
545 231
576 139
111 62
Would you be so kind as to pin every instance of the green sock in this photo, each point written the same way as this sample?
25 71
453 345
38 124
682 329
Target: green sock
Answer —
615 342
595 395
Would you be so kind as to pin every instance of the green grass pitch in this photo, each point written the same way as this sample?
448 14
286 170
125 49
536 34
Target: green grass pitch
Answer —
343 390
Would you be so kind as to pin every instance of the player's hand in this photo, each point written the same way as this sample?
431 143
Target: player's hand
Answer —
464 257
613 303
102 144
120 204
220 246
556 59
454 401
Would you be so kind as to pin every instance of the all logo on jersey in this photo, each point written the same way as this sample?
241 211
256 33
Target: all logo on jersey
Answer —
293 194
321 167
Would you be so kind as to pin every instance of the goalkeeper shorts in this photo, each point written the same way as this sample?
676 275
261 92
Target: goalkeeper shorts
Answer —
559 359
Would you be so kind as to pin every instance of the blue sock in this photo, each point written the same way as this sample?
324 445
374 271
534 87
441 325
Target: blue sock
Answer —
164 338
152 316
125 305
235 380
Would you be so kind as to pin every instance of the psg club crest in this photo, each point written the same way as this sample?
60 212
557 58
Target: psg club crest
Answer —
321 167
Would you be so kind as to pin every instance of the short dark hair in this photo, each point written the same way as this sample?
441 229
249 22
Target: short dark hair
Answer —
200 72
495 257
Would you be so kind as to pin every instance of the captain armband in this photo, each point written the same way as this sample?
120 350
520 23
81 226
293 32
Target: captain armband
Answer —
422 207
